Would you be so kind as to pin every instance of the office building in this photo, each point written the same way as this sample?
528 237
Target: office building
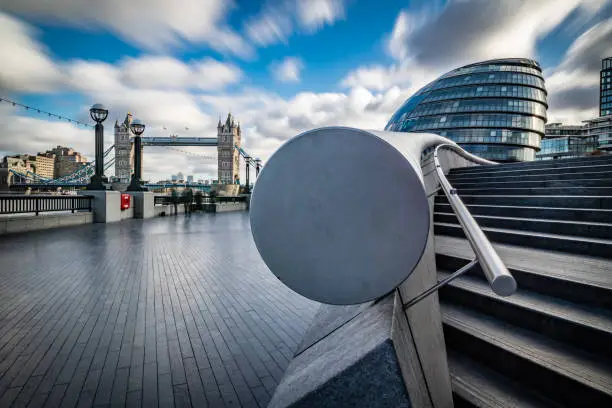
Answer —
495 109
600 129
605 87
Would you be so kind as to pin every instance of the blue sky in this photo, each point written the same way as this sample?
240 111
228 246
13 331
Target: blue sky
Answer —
281 66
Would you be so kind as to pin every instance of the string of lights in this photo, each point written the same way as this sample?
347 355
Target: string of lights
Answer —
43 112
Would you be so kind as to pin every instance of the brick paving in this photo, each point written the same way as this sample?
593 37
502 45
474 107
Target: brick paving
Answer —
169 312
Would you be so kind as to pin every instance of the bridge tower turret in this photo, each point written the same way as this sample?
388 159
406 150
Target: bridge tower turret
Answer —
228 135
123 151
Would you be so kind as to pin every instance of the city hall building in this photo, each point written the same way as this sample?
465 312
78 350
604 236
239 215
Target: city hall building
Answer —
495 109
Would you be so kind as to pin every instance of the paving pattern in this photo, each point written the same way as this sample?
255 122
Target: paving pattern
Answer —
174 311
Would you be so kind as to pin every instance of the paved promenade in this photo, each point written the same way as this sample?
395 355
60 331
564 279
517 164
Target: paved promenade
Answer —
174 311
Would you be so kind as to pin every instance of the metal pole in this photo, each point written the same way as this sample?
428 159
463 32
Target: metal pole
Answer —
136 183
99 150
98 178
247 160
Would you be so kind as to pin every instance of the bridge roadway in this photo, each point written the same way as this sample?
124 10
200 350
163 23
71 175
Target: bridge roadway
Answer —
174 311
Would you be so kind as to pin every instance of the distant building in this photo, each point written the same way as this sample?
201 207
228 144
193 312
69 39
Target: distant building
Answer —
181 177
174 178
605 87
567 141
123 151
228 136
190 179
67 160
601 130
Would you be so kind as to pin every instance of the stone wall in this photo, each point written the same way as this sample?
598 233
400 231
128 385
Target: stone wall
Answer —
44 221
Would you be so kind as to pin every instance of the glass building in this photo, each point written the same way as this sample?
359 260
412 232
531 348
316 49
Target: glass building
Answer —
600 129
605 87
495 109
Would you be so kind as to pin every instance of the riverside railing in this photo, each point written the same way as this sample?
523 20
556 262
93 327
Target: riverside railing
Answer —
22 204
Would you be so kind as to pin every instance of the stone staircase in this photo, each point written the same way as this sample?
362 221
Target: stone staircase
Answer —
550 344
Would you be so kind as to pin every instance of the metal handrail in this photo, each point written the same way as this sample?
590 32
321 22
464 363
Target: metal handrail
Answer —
500 279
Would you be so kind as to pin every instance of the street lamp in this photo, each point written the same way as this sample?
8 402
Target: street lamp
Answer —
98 113
137 127
257 166
247 160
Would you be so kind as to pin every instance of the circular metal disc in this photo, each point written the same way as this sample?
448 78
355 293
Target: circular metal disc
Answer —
339 215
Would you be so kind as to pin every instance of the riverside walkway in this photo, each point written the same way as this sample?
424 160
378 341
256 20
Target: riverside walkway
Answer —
169 312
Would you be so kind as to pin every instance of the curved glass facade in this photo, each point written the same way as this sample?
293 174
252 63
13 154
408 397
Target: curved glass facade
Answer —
494 109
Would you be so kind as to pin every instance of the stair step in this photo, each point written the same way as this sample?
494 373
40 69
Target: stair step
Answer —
567 375
550 169
461 178
541 183
559 162
563 243
545 225
557 201
583 326
541 191
570 214
575 278
478 386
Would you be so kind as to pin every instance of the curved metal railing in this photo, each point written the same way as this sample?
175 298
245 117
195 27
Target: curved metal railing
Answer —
500 279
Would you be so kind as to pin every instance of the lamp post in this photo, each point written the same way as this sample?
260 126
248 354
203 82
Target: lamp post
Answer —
98 113
257 166
247 160
137 127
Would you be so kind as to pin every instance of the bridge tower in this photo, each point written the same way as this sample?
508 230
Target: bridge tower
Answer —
228 136
123 151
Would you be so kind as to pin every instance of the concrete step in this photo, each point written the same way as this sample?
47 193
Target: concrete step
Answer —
475 385
475 178
604 182
556 201
577 161
585 327
574 278
550 168
545 225
564 243
562 373
569 214
541 191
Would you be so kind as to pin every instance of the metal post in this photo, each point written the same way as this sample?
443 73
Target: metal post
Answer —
257 164
247 160
137 128
98 179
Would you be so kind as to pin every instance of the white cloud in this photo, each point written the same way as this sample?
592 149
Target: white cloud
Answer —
277 21
25 65
287 70
476 30
170 73
269 27
314 14
573 85
155 25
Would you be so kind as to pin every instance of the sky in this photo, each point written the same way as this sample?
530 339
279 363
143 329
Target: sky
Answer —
281 67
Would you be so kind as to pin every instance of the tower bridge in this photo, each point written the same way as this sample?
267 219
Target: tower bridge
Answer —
227 142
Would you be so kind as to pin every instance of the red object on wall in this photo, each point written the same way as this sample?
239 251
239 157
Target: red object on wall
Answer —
125 201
